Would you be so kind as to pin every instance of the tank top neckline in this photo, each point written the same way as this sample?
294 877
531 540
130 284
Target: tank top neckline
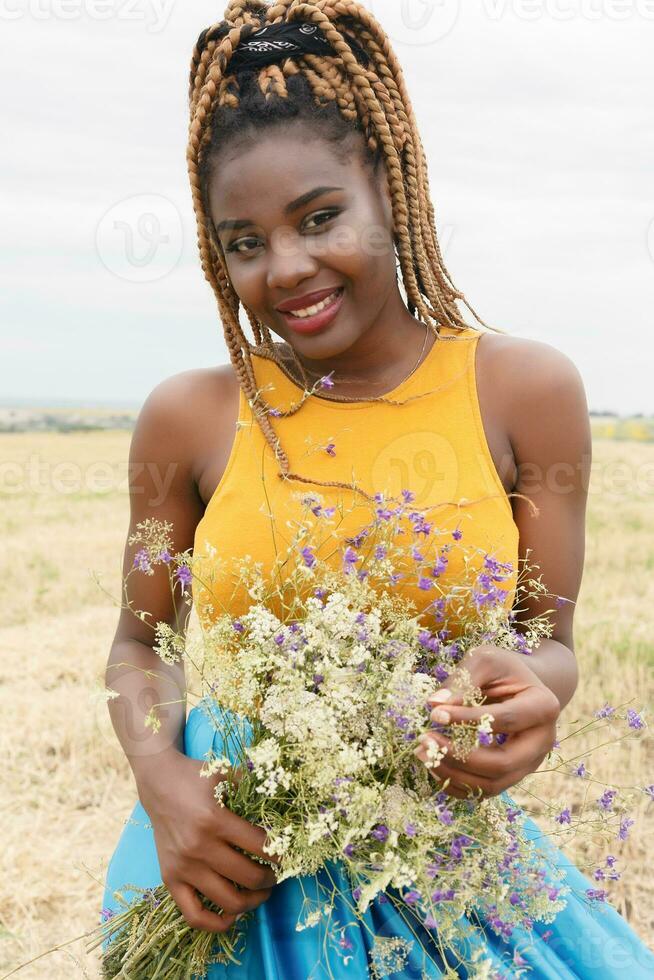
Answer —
408 383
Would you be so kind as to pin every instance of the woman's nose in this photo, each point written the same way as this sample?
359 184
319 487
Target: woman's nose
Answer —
289 261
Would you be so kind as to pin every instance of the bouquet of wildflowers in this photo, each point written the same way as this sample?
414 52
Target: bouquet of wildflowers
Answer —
321 690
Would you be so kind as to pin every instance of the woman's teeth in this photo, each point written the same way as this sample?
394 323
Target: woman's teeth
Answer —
312 310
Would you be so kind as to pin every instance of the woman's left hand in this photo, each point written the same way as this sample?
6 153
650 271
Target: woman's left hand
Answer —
523 708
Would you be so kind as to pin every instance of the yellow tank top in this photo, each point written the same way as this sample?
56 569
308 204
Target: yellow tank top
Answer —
433 444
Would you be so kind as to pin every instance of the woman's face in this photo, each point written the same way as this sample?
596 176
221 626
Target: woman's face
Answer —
292 219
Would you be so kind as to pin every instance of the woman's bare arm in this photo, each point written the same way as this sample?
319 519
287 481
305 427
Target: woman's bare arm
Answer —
200 845
161 487
549 429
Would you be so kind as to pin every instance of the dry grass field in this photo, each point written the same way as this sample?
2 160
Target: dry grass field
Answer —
67 788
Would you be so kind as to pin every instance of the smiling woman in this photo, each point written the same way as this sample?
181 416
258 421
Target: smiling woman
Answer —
316 227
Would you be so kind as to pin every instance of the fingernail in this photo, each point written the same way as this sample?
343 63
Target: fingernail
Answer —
441 716
440 696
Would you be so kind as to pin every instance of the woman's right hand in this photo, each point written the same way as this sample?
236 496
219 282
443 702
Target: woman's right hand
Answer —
196 839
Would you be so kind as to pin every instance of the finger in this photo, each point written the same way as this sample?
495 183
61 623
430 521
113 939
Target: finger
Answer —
525 750
241 869
241 833
530 707
233 900
437 773
451 782
195 913
464 785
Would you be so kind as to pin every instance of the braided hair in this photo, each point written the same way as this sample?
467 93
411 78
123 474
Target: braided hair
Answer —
336 96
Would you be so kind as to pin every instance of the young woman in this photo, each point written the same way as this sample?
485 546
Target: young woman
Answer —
310 188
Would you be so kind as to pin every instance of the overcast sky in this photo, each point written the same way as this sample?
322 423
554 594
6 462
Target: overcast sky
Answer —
536 115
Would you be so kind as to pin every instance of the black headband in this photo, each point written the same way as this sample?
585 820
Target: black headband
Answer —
274 42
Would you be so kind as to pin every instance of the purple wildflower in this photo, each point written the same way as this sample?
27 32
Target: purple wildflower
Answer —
424 583
625 824
308 556
440 566
350 558
443 895
326 381
410 830
412 897
330 448
457 534
165 556
408 496
500 738
580 770
564 816
380 832
184 576
596 894
649 791
275 412
606 712
485 738
107 914
605 802
348 850
142 561
634 720
445 816
238 626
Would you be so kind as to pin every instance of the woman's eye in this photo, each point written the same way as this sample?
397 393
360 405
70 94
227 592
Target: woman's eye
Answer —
236 246
325 215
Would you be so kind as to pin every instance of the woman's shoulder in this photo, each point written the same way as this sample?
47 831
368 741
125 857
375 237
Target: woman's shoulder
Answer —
187 414
524 367
538 392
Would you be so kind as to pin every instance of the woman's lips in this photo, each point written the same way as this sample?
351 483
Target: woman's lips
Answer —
320 320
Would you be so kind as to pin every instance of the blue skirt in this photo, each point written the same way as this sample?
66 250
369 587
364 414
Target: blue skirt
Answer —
587 941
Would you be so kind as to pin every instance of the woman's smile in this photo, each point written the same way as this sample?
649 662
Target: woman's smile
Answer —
317 317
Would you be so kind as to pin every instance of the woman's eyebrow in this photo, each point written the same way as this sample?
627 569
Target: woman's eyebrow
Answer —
295 205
